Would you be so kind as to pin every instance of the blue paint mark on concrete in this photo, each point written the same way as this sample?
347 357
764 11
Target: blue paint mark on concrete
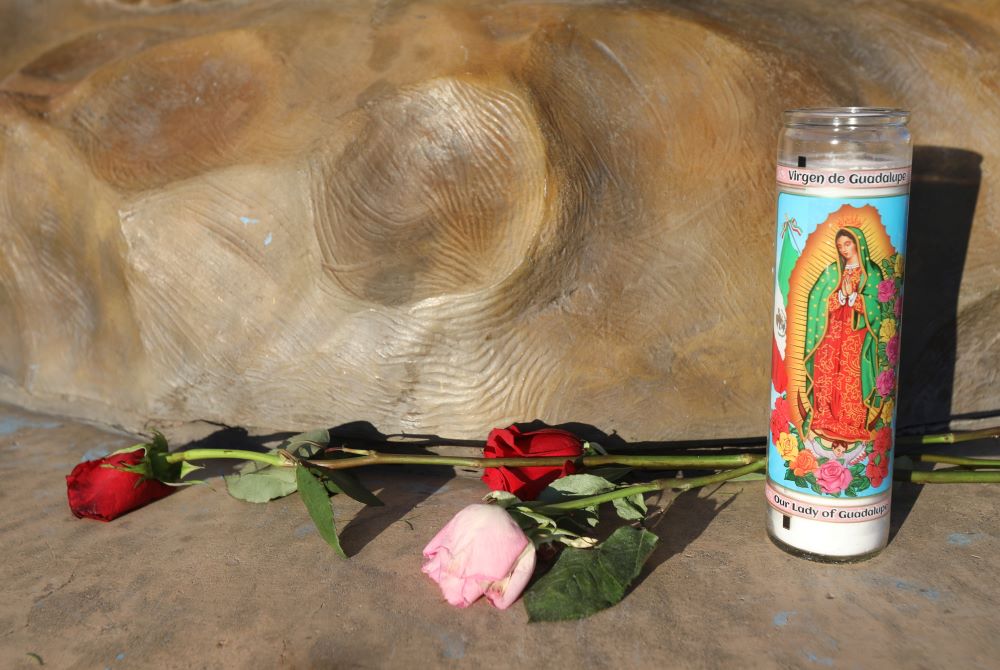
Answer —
94 454
930 594
120 657
821 660
247 220
454 645
964 539
304 529
894 582
267 240
12 424
781 618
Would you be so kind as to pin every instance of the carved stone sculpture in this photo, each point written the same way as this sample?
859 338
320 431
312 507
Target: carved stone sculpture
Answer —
445 216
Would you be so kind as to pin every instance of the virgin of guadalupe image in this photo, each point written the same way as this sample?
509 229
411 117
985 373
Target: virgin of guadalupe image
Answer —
833 343
842 342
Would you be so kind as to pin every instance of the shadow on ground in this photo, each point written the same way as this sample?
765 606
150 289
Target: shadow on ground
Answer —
682 522
401 499
371 521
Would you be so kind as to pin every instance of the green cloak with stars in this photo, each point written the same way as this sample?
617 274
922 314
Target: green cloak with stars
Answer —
828 284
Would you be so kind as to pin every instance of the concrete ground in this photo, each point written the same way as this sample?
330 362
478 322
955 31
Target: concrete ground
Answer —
201 580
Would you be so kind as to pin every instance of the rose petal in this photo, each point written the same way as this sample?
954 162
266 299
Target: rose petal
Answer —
503 593
97 490
527 482
476 548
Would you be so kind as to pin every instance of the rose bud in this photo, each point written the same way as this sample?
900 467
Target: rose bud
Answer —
121 482
527 482
481 551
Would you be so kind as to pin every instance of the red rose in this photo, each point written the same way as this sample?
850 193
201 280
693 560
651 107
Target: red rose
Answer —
780 418
98 491
876 473
883 441
527 482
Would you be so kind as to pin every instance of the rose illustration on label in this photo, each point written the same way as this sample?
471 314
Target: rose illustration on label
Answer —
831 423
833 477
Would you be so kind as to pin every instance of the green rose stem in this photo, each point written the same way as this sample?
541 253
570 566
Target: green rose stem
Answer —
366 457
951 438
638 462
655 485
740 462
955 476
951 476
206 454
958 460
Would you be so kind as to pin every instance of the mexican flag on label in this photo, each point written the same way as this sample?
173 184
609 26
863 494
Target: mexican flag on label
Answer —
786 261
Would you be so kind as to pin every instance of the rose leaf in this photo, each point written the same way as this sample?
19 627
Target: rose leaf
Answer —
259 483
527 518
308 444
341 481
570 486
632 508
585 581
505 499
317 502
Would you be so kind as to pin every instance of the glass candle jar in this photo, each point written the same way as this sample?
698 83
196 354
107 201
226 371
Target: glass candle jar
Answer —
843 192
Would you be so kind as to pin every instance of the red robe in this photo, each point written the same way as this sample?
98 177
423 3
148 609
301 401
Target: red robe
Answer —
839 412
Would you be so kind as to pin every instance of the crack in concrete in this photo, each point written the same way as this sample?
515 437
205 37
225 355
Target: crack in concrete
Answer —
42 597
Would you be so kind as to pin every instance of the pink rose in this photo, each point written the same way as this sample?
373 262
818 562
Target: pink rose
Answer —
892 349
833 477
481 551
897 309
885 383
886 290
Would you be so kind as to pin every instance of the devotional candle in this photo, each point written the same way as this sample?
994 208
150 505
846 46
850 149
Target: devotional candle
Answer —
843 192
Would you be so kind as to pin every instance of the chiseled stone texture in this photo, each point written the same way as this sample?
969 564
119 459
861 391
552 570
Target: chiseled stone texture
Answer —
445 216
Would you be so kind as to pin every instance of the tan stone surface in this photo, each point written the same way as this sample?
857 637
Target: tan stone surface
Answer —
200 580
445 216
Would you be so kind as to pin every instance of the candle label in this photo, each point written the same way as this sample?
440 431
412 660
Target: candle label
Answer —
837 296
868 509
842 179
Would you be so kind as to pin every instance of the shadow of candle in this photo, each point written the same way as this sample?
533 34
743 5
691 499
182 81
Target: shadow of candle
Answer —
942 207
943 198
